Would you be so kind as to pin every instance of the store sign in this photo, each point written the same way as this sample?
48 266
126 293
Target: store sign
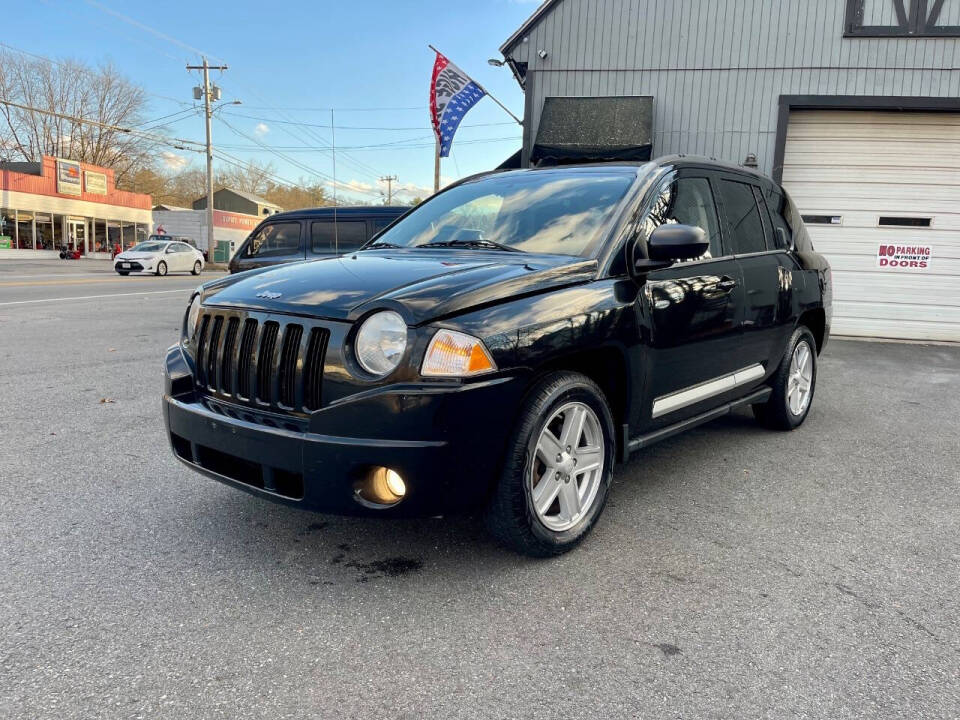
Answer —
235 221
904 257
94 182
68 177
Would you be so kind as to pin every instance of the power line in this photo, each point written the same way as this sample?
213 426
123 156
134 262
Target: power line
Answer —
297 163
174 142
359 127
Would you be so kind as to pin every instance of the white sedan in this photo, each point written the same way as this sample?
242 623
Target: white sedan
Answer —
159 257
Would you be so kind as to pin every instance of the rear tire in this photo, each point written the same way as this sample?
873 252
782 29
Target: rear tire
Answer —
793 384
197 267
540 471
161 268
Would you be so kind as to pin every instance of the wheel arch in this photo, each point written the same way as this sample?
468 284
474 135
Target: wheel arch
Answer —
607 366
816 320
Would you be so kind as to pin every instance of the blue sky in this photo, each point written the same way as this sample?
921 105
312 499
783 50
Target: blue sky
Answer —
286 59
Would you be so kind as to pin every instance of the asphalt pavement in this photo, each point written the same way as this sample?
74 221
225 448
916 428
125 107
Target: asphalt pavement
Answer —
737 572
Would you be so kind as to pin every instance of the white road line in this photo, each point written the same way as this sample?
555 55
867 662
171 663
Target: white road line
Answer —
104 275
185 291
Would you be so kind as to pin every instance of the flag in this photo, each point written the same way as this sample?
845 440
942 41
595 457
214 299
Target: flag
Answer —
452 94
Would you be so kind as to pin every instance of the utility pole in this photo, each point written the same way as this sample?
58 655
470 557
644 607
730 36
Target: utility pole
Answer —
206 91
389 180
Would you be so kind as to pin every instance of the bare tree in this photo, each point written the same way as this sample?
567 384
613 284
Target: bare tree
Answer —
74 92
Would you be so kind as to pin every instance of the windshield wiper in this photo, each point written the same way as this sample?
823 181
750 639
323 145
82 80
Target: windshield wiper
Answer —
389 246
471 244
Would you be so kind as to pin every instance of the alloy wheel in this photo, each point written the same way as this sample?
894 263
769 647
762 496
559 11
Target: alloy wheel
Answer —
568 466
800 379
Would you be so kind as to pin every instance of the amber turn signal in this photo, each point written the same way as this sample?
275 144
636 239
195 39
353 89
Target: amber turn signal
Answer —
456 354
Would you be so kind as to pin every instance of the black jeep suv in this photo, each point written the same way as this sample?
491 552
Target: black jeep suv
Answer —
504 344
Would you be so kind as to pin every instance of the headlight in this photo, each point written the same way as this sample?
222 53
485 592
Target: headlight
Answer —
381 342
193 316
455 354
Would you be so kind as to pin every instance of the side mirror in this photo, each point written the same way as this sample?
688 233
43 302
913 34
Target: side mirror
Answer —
671 242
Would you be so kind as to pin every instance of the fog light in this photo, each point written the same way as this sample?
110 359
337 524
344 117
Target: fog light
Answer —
381 486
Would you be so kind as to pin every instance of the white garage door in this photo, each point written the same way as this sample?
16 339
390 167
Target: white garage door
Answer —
881 195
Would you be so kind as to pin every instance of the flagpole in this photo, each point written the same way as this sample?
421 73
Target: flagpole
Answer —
436 168
486 92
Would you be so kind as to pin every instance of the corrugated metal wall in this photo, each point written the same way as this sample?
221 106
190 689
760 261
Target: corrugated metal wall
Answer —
717 68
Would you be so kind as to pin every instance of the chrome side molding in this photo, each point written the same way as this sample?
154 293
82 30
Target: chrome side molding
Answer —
697 393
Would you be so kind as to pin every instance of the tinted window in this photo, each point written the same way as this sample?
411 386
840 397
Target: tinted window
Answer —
350 234
275 239
687 201
546 211
743 217
380 223
780 216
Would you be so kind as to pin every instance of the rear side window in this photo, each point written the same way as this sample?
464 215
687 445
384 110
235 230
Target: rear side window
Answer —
780 217
275 239
380 223
349 235
687 201
743 217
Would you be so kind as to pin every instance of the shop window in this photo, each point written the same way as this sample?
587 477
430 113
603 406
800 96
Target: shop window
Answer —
113 235
129 234
44 232
902 18
24 230
143 231
100 243
8 229
59 240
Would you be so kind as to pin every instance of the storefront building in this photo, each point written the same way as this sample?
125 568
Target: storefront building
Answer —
55 204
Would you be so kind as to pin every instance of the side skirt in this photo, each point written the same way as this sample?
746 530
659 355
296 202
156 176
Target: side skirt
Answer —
642 441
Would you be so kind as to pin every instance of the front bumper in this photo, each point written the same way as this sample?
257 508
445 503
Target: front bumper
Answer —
134 266
446 441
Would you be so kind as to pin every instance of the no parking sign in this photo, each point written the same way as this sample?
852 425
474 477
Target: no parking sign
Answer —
904 257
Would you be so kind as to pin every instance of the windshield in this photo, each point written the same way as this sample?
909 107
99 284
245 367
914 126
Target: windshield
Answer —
548 211
148 247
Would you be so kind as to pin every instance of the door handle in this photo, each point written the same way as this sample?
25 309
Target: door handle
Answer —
727 283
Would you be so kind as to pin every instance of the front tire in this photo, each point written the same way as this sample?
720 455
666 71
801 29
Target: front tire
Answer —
558 467
793 384
197 267
161 268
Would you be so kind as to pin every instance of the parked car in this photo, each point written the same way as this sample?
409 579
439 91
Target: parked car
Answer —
159 257
311 234
505 344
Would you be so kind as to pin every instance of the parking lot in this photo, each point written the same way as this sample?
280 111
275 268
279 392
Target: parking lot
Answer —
737 572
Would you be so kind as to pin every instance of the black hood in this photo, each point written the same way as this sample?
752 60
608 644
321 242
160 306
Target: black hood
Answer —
422 284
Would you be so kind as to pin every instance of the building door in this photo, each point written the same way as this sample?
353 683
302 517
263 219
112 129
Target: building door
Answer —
77 235
879 193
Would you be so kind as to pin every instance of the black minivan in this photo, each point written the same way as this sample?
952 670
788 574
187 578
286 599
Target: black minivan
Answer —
311 233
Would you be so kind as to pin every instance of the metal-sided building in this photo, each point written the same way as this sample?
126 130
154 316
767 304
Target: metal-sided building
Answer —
853 104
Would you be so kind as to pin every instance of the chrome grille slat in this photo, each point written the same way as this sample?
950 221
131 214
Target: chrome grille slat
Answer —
274 364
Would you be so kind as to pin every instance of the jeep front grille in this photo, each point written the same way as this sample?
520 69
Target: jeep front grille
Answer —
274 364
